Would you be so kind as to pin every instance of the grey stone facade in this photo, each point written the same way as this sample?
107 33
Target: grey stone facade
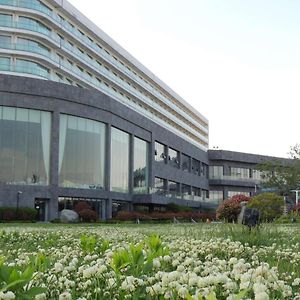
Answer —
59 98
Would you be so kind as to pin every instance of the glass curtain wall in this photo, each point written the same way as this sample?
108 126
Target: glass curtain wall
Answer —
119 165
216 172
160 152
24 146
141 165
81 153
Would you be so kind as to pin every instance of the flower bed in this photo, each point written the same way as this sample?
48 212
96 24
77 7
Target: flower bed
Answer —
200 261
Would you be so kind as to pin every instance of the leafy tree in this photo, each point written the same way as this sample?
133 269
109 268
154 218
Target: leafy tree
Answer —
283 177
230 208
270 205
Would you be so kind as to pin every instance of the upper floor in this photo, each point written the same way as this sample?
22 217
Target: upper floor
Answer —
52 40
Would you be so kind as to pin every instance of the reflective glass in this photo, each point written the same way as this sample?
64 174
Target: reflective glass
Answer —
173 158
81 153
185 162
242 173
160 153
216 172
30 67
119 161
196 166
140 167
4 63
24 146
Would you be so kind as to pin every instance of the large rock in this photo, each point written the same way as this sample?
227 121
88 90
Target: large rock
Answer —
69 216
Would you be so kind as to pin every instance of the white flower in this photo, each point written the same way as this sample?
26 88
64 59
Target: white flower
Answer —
7 296
65 296
261 296
40 296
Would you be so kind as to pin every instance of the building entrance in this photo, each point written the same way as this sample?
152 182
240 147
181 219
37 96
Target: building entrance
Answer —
41 207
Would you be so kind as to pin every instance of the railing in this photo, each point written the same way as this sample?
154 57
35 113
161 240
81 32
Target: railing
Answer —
174 194
29 4
235 178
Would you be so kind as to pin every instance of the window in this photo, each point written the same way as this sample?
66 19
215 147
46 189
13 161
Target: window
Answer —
216 196
4 63
81 153
174 158
140 165
174 189
33 46
160 152
32 24
204 170
30 67
216 172
185 163
160 186
241 173
119 165
186 191
195 166
5 41
24 146
234 193
196 192
5 20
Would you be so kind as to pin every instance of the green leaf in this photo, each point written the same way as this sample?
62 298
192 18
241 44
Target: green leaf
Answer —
241 295
211 296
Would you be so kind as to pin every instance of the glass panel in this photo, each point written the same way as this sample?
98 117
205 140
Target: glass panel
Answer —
5 20
174 158
160 185
174 189
30 67
4 63
24 146
81 153
119 160
234 193
196 166
240 173
185 162
140 168
216 172
160 152
33 46
32 24
216 196
186 191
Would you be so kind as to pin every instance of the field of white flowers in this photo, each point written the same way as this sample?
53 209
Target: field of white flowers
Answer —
198 261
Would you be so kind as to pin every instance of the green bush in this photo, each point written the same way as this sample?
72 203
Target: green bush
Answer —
22 214
270 206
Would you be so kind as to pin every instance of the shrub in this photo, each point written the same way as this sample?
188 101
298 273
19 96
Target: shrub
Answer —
177 208
230 208
270 205
187 215
81 206
88 215
23 214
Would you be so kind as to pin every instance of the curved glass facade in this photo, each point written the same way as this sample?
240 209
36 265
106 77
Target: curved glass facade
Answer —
119 179
140 165
81 153
24 146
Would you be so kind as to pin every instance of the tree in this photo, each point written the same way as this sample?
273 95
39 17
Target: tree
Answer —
282 177
230 208
270 205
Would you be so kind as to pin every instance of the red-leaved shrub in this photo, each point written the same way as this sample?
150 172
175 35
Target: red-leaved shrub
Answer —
88 215
230 208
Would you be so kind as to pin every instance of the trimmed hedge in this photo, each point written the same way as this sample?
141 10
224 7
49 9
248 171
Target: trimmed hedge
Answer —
23 214
133 215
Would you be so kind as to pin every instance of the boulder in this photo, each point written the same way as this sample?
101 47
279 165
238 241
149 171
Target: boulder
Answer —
69 216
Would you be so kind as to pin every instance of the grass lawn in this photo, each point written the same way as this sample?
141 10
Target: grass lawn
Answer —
157 261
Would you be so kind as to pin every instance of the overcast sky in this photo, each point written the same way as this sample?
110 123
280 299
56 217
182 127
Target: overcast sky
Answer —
237 62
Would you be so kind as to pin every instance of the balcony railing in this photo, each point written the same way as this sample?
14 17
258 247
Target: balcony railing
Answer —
235 178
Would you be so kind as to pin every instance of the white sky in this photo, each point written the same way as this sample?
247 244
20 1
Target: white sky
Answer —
237 62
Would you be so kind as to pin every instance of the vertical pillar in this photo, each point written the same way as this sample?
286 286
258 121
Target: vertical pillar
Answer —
108 208
107 157
131 162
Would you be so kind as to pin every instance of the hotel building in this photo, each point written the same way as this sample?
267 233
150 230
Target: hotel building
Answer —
81 119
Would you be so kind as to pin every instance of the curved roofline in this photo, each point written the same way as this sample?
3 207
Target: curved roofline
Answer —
73 12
